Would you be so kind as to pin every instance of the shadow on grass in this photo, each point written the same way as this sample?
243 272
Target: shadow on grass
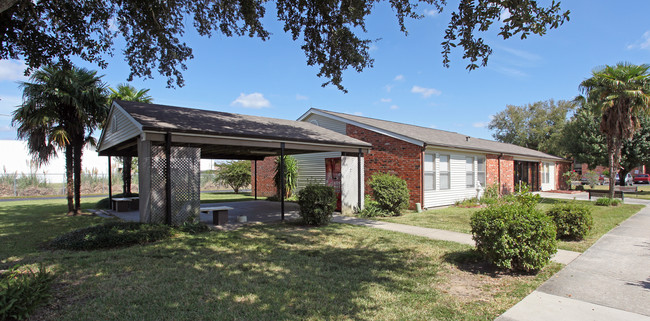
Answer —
471 261
256 273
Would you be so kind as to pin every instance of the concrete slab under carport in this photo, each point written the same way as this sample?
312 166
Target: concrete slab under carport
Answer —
255 211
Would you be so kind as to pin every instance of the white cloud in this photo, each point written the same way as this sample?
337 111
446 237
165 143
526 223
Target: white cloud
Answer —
254 100
373 47
505 14
425 92
358 113
394 107
12 70
529 56
431 12
385 100
301 97
388 88
433 126
399 78
480 124
513 72
643 43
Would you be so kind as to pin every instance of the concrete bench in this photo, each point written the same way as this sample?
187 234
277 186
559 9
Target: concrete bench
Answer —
618 192
219 214
121 204
125 204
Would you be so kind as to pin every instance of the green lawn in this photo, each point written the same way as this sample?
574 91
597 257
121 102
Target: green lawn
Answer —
260 272
457 219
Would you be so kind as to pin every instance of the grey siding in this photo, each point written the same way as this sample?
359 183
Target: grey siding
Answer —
458 190
311 167
123 130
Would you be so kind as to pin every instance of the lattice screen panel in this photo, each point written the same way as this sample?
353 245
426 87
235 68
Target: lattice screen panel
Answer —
185 184
158 188
186 175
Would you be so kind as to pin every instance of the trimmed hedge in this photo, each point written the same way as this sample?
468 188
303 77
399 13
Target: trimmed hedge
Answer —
317 203
606 201
572 221
514 236
390 192
110 235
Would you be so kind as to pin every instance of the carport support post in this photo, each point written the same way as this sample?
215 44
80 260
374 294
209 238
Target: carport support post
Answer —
256 179
359 157
110 190
168 182
283 183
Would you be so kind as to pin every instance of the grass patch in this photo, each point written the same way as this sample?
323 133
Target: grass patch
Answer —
110 235
457 219
261 272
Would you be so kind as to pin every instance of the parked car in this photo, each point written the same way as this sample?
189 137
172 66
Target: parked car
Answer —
628 180
642 178
603 180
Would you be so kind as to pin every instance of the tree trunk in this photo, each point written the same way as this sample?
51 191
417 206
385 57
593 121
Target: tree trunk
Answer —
78 152
69 177
126 176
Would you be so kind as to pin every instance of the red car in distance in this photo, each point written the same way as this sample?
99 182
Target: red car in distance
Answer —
642 178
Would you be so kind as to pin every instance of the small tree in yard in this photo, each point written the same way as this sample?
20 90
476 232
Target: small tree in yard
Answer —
236 174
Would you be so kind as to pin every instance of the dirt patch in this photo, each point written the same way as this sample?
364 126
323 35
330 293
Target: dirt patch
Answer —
476 282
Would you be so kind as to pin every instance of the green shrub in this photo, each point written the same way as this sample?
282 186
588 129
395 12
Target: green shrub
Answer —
317 203
606 201
523 197
236 174
514 236
468 202
371 209
22 291
104 203
573 221
110 235
390 192
193 227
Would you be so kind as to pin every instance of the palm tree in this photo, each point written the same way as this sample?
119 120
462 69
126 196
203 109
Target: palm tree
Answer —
621 94
60 106
129 93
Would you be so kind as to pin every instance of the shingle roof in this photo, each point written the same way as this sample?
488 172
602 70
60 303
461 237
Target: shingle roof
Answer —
441 138
189 120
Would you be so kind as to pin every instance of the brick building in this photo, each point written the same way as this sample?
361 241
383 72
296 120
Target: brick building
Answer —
439 167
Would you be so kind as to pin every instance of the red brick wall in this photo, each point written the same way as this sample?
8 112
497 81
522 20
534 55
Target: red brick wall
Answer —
500 171
265 170
393 156
560 169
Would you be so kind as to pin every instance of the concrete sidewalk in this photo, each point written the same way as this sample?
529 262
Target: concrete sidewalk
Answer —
562 256
584 196
609 281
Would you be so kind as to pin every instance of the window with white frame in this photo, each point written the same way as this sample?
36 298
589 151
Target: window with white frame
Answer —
546 174
429 172
480 171
469 171
445 177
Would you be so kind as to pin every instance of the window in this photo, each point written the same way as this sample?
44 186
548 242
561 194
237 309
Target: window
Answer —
546 173
429 172
480 172
445 179
469 171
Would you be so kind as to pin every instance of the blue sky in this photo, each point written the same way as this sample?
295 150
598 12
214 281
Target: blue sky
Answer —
407 83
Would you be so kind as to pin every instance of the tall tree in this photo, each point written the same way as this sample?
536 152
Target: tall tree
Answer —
620 94
128 93
537 126
587 144
60 106
331 30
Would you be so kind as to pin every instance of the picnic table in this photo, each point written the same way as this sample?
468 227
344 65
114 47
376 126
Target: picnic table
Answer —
619 192
125 204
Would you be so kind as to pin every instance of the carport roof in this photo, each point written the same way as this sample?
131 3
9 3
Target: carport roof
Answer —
244 135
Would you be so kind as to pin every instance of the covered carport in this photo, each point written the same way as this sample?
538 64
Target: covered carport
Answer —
169 142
